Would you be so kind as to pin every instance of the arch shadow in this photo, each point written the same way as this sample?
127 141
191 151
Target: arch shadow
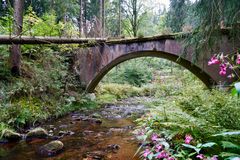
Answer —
203 76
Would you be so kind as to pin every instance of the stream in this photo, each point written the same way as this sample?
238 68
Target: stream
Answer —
105 134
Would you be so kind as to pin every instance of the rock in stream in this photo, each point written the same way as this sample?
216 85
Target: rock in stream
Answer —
36 133
11 136
50 149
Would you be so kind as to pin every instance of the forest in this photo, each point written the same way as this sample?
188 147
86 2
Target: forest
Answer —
164 78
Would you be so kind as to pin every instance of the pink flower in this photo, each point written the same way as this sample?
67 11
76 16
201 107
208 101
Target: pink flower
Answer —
146 152
231 76
141 132
223 66
171 158
200 156
238 59
188 138
154 137
213 60
215 157
162 154
158 148
223 69
222 72
230 66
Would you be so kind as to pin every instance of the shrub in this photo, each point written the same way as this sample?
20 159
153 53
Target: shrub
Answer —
118 91
217 107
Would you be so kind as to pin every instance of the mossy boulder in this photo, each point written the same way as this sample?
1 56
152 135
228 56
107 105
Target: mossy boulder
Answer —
96 115
50 149
11 135
37 133
98 155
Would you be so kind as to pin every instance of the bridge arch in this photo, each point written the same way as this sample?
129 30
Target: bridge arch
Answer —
92 64
198 72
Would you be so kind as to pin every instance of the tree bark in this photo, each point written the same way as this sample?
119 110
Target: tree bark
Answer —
15 50
102 17
119 18
135 17
85 29
80 17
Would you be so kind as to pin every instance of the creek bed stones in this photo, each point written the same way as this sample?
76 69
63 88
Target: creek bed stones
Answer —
95 155
11 136
123 111
101 154
86 118
37 133
51 149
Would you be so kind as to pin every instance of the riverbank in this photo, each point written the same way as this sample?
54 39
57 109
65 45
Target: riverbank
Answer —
48 87
105 133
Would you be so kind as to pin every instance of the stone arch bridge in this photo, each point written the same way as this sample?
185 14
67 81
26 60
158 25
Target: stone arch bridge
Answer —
93 63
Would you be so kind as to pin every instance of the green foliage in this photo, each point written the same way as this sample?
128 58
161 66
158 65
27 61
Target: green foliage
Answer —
177 14
6 23
136 77
109 93
47 25
183 106
228 133
137 72
3 127
209 105
47 86
223 14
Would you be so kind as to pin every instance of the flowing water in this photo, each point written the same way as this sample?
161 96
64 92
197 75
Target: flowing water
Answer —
111 139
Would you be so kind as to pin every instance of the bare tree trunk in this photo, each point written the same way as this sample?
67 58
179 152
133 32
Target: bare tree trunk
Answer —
80 17
52 4
85 17
102 17
119 18
222 24
134 25
15 50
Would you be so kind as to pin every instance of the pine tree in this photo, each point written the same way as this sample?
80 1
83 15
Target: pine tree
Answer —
177 15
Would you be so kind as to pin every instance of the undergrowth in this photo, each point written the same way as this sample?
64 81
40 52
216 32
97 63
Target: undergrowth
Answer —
183 106
47 87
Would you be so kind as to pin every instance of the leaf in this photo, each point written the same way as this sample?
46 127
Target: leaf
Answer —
150 156
199 145
173 134
234 92
192 147
165 144
227 134
208 145
234 158
191 154
149 132
227 144
229 154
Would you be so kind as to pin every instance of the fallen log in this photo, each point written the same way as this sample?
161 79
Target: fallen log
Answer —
47 40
